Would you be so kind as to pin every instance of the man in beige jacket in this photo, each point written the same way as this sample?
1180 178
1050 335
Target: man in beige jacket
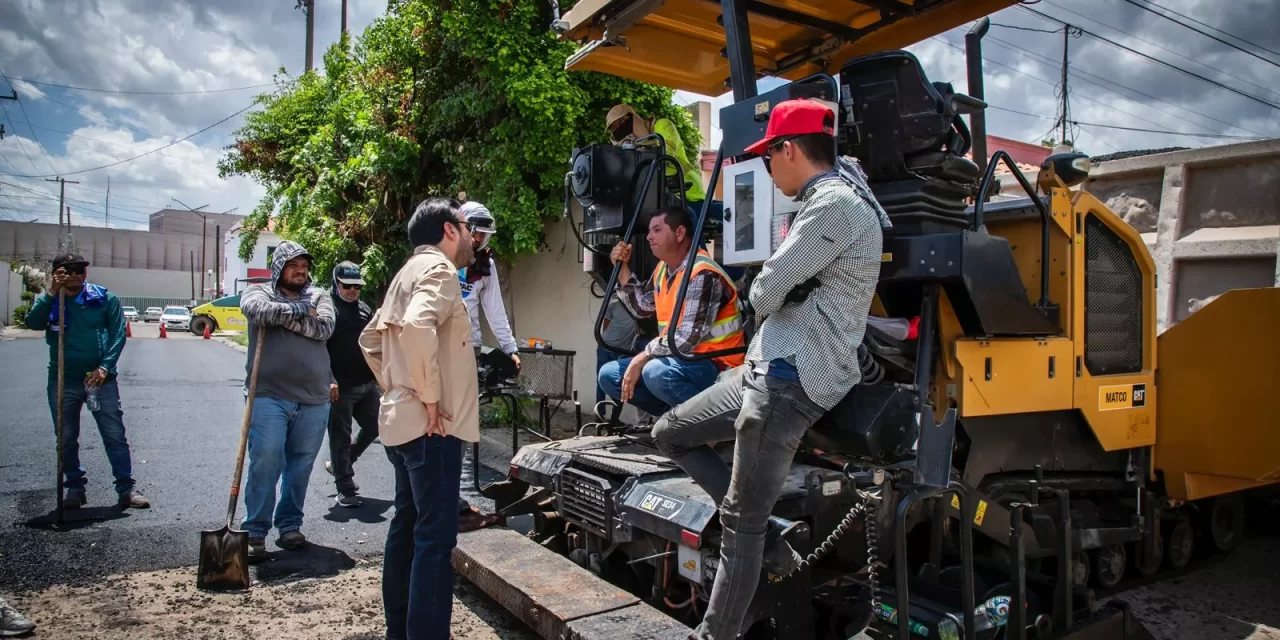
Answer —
419 348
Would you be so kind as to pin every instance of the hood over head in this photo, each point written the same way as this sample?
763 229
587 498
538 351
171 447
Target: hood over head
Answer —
285 252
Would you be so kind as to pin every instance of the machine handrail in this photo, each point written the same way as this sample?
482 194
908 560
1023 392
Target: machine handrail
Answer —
698 227
980 200
612 286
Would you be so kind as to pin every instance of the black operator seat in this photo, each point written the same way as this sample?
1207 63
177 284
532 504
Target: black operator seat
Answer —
909 136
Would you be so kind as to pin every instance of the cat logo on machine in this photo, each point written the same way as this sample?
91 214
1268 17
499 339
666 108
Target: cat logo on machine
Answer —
1122 396
660 505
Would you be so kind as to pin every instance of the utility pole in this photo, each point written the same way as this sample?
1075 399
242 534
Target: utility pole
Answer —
192 265
62 205
217 263
344 17
309 9
204 243
1066 39
106 212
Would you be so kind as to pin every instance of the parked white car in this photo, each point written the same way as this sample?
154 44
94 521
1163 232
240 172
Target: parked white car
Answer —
176 318
130 314
152 314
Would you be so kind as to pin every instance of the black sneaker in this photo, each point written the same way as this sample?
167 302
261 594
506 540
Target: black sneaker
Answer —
349 500
74 499
257 550
291 540
13 623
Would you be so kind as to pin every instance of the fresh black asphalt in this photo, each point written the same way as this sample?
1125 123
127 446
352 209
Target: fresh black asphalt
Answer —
183 404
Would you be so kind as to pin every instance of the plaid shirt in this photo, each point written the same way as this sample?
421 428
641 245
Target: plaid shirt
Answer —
836 236
707 295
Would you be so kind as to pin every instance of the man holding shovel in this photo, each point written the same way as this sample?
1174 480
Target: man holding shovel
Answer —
291 401
95 336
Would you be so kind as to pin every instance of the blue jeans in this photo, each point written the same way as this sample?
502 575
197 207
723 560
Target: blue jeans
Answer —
284 438
110 419
417 577
664 382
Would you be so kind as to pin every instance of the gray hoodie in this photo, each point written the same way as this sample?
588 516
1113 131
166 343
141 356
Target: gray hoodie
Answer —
295 358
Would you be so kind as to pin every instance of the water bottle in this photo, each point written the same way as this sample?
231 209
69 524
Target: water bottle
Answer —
91 397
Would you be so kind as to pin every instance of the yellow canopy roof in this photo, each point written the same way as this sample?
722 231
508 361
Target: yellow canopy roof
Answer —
677 43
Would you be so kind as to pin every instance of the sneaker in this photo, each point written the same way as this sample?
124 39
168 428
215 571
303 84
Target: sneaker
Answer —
13 623
328 466
74 499
257 550
133 500
349 500
291 540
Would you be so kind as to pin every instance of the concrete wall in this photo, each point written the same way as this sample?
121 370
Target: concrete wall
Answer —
550 298
237 269
11 288
1211 218
137 263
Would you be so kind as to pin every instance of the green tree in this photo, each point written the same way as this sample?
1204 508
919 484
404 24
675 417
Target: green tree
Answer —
434 98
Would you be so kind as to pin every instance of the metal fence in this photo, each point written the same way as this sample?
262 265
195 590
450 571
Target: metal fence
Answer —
141 303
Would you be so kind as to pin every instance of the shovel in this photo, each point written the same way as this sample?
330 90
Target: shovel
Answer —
224 553
62 332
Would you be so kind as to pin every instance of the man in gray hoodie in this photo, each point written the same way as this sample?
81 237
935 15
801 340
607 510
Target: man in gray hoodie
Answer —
291 404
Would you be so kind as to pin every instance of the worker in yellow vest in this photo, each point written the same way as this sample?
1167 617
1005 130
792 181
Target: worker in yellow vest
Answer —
654 380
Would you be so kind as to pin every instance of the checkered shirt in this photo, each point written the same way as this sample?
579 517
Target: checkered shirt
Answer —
836 236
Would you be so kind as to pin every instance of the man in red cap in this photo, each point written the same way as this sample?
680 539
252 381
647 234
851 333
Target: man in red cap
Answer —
814 293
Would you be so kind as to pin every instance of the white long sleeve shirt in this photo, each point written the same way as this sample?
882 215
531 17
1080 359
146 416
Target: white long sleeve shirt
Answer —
487 292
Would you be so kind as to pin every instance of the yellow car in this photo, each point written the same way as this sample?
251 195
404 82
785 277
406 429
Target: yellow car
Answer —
221 314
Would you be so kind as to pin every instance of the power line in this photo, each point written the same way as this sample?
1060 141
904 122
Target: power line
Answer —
1203 33
1203 24
1076 71
1163 48
119 162
146 93
1048 83
35 138
1113 126
20 145
1014 26
1158 61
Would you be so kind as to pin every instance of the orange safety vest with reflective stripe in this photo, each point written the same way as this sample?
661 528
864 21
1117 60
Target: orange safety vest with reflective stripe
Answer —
725 332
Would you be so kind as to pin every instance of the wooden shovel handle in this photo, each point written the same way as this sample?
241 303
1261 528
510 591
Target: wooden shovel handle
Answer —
244 425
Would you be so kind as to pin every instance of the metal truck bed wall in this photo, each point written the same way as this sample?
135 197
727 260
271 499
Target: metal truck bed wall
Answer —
1219 373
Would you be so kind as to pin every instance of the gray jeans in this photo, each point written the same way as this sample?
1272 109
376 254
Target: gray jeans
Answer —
767 417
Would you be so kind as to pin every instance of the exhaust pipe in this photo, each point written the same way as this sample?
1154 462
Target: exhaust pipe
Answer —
973 63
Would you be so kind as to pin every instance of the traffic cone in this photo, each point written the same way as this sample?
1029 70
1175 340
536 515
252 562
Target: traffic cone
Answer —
163 333
128 329
207 331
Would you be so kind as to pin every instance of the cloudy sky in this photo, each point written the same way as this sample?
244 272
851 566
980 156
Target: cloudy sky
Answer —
169 46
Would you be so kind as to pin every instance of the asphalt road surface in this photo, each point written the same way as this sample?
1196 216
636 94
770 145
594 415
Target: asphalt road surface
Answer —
183 404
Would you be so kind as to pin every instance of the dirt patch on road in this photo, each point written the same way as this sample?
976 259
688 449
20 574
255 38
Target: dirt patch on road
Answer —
166 604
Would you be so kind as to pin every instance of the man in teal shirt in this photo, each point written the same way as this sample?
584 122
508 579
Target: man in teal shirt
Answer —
95 334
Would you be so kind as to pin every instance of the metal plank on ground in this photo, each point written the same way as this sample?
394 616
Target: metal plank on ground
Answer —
545 590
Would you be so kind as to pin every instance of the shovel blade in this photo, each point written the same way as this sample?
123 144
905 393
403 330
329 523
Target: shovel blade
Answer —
224 560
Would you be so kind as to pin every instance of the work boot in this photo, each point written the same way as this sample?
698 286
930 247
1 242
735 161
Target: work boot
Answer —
13 623
133 500
291 541
349 500
779 557
74 499
257 550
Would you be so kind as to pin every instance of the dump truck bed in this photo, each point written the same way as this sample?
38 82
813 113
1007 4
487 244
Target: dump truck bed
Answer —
1218 429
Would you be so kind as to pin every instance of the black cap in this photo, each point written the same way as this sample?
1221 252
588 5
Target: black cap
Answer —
69 259
348 272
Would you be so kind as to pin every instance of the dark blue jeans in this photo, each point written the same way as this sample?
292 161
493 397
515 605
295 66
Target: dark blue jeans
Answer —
664 382
417 577
110 419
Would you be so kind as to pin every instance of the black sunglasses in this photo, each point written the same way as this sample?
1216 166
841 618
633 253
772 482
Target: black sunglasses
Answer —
351 286
767 156
73 269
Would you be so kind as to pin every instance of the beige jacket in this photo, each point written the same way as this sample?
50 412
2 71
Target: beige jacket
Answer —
419 347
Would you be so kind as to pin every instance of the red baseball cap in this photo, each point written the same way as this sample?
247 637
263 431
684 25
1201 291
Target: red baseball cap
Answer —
794 118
